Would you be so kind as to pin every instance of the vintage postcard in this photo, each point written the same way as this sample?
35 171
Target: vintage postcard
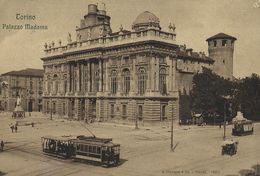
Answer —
129 87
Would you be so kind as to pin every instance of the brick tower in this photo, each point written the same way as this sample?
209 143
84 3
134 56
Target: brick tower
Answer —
221 49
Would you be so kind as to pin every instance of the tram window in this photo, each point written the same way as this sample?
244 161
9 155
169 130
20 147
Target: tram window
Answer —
98 150
95 149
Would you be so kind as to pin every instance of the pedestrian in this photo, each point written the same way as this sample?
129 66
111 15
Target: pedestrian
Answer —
32 124
2 145
15 128
220 125
12 128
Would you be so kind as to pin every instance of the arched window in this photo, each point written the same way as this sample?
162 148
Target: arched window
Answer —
126 81
141 81
162 81
113 82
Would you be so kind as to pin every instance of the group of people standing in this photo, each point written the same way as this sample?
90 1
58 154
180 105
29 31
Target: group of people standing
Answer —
14 127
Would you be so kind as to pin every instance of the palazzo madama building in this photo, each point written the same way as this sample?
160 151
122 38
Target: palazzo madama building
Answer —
125 75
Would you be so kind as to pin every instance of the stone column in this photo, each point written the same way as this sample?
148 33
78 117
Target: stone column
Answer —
106 76
169 75
77 77
156 74
100 84
133 80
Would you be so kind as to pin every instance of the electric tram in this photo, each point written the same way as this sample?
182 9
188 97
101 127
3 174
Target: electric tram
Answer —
57 146
92 148
244 127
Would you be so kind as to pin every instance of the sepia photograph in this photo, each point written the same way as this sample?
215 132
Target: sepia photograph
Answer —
129 88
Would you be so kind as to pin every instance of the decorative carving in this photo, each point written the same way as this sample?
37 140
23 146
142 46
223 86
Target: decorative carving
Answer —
78 36
45 46
172 27
121 28
101 31
69 38
60 42
89 35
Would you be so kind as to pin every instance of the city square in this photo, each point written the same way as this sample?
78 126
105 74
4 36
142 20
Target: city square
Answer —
144 151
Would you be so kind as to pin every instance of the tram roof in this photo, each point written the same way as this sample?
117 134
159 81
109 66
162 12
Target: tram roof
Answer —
59 138
88 142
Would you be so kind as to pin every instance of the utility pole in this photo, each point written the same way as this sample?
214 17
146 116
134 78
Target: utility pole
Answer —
172 130
224 135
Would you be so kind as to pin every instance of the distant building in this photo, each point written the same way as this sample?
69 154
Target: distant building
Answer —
28 84
129 74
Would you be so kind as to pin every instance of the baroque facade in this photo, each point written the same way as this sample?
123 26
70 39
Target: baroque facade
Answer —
129 74
28 84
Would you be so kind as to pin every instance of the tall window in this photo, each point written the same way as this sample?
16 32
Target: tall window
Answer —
224 42
49 84
163 112
126 81
215 43
56 83
140 112
112 110
65 85
113 82
162 81
48 107
141 81
124 110
64 108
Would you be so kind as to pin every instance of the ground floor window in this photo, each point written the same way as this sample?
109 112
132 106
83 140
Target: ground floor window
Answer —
64 108
54 108
112 110
124 110
48 107
163 113
140 112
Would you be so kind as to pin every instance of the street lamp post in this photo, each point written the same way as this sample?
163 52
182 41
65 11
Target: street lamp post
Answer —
224 135
226 98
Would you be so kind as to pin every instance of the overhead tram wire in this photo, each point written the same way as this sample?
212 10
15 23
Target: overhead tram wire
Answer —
88 129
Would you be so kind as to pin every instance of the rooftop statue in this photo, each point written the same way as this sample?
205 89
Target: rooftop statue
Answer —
69 38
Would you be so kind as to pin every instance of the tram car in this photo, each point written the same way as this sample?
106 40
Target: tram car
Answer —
83 147
57 146
244 127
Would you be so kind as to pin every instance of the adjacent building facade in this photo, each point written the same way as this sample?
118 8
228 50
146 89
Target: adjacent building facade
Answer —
28 84
129 74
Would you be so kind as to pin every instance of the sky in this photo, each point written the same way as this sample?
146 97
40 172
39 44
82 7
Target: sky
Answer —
195 21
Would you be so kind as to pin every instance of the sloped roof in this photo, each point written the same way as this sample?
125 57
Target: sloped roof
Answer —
221 36
26 72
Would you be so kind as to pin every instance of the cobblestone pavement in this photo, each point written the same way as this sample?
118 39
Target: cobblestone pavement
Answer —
144 152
